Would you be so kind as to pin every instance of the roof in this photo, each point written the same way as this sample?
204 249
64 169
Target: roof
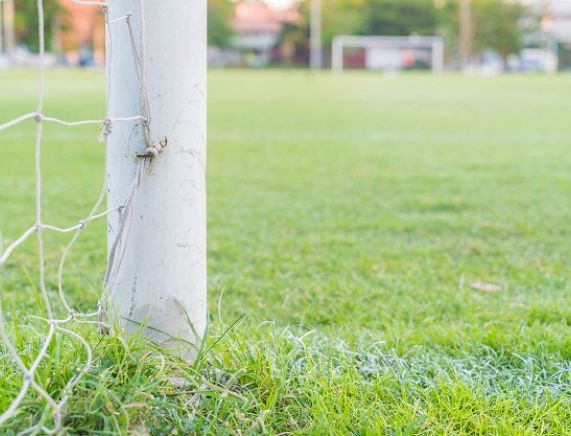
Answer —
85 23
258 17
559 13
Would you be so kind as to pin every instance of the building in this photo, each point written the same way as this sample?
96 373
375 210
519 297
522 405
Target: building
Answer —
257 28
557 27
81 36
551 44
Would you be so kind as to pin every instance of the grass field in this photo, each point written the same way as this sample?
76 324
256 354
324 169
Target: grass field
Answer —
349 217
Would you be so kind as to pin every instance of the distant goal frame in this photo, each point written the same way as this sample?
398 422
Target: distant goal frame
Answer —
341 42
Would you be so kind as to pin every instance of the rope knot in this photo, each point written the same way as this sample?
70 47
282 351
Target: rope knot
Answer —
154 149
107 127
38 117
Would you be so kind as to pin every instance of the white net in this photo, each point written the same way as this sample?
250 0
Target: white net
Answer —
58 323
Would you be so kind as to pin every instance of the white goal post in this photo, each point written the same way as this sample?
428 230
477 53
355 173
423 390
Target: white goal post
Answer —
161 278
387 43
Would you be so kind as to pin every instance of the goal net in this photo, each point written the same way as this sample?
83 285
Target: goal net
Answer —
387 53
61 323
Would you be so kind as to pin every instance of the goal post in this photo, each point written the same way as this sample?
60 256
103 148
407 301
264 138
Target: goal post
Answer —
156 66
316 57
7 28
387 43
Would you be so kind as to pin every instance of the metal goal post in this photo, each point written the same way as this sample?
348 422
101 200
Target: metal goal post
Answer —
156 61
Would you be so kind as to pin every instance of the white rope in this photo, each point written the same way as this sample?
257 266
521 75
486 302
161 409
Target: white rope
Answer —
43 118
4 257
116 20
17 120
139 58
55 326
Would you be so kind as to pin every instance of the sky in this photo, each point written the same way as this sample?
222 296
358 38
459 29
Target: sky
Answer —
280 3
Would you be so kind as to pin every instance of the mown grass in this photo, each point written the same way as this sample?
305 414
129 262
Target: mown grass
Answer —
349 217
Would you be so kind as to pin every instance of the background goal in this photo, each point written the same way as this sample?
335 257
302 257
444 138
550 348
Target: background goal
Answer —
388 53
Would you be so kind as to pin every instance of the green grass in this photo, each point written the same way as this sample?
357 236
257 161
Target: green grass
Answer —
348 218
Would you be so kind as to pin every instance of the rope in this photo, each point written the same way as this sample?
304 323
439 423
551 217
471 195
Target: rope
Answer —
57 327
39 117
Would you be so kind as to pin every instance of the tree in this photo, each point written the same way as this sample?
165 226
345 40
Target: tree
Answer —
399 17
496 25
27 24
375 17
219 15
343 17
338 17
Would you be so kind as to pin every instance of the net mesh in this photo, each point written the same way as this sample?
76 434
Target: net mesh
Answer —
51 421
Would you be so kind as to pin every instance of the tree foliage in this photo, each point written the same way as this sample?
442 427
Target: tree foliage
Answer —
339 17
496 25
27 24
372 17
399 17
342 17
219 16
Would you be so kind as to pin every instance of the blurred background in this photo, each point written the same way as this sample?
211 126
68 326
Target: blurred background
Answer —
480 36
